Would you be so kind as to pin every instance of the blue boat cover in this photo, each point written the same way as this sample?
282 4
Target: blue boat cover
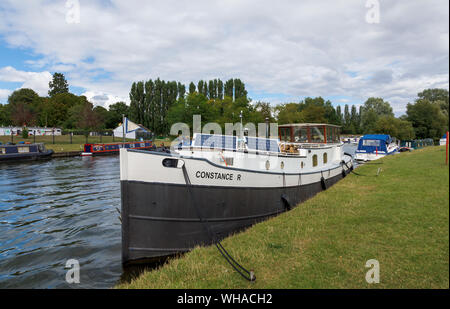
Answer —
373 142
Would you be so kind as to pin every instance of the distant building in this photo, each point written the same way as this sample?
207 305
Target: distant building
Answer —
133 131
31 131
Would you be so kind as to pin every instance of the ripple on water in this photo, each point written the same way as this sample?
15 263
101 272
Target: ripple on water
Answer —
57 210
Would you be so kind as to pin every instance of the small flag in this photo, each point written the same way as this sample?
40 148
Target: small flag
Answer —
130 126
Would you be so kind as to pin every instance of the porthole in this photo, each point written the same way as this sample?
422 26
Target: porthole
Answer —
302 165
325 158
267 165
282 165
314 160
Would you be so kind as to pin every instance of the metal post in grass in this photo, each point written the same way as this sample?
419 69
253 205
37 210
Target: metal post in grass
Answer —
34 136
12 136
113 136
53 135
446 149
71 133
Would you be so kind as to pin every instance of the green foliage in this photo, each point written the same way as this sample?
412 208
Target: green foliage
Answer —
24 133
401 129
58 85
5 115
116 112
373 109
427 118
23 104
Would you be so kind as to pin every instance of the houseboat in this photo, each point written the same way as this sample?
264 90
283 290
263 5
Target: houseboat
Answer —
23 152
220 184
375 146
113 148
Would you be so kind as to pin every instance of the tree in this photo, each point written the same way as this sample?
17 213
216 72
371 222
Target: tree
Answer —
101 114
5 115
58 85
427 118
228 88
438 96
23 105
191 88
401 129
115 113
289 113
373 109
220 89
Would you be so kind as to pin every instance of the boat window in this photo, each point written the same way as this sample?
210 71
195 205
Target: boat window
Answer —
300 135
23 149
314 160
371 142
302 165
329 134
282 165
2 150
325 158
285 134
267 165
317 135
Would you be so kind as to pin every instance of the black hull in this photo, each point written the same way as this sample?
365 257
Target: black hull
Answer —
17 157
160 220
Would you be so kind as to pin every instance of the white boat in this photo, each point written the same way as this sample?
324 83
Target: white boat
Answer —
443 140
375 146
223 182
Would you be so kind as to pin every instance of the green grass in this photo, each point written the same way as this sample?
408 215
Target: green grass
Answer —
63 144
400 218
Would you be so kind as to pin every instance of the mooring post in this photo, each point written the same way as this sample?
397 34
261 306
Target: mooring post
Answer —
446 148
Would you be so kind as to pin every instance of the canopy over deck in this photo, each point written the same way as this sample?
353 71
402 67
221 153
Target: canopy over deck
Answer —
309 133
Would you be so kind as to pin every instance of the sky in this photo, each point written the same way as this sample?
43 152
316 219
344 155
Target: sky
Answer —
285 50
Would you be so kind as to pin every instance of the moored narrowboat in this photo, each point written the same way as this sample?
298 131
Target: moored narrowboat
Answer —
217 185
113 148
24 152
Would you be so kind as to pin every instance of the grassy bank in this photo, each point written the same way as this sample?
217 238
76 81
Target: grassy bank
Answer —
400 218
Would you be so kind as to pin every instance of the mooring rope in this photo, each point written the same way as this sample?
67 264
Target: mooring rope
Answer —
357 174
248 275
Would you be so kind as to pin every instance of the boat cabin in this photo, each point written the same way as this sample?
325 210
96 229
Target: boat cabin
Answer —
374 143
311 133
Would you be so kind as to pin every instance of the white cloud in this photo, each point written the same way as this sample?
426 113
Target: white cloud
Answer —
289 47
38 81
103 99
4 94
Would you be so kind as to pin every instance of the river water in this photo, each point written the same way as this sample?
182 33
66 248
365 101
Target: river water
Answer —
61 209
57 210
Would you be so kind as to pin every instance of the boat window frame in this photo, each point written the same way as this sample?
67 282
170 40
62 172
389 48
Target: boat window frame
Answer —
315 160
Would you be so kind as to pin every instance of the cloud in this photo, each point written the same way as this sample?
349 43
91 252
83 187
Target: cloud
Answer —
38 81
297 48
103 99
4 94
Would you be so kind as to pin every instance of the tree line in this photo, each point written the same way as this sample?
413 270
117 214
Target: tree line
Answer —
59 109
158 104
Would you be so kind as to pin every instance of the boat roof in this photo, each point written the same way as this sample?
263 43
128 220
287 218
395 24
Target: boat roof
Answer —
307 125
382 137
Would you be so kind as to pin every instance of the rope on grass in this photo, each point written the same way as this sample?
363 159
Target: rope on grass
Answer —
246 274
